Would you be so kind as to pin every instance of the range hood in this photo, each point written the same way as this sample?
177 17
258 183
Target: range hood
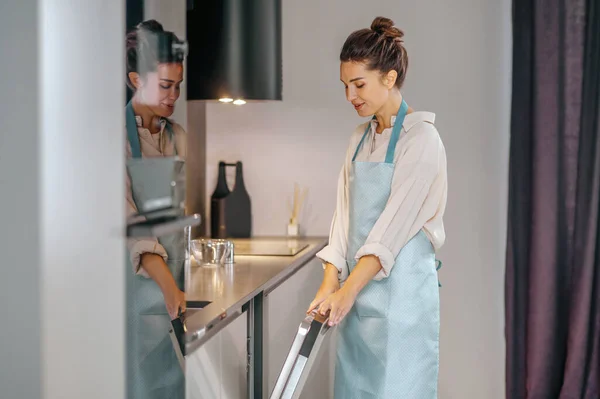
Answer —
234 50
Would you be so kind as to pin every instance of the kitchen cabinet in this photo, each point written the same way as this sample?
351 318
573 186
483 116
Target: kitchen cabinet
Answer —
275 292
217 370
284 309
234 358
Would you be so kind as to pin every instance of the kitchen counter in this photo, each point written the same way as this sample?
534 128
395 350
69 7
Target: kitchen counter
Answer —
230 288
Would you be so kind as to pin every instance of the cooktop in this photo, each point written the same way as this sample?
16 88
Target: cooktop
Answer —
268 246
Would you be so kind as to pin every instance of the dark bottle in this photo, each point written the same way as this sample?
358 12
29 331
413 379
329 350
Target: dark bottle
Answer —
231 215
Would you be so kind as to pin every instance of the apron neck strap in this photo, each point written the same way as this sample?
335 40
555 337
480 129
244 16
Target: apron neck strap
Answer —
389 156
362 140
132 132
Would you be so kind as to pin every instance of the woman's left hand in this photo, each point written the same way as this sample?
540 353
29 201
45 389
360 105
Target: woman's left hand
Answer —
338 304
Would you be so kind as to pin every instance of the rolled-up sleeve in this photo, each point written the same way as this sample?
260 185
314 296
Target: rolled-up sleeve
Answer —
404 214
335 251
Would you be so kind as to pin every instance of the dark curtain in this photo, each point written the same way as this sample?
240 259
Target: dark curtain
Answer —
553 245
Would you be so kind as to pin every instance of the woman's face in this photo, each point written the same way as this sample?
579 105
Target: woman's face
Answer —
367 90
160 90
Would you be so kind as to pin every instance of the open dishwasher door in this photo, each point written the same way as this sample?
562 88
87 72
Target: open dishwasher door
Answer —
305 348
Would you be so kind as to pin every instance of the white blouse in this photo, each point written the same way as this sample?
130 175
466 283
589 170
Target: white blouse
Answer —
418 194
151 145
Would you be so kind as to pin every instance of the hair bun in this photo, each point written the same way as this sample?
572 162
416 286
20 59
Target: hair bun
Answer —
385 27
151 25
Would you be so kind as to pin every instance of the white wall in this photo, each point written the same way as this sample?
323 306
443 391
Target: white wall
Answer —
460 69
62 209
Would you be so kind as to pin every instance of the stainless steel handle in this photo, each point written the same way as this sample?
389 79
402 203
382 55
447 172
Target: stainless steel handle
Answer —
180 356
304 350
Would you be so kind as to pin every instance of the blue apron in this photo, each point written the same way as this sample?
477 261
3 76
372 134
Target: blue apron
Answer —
153 371
388 343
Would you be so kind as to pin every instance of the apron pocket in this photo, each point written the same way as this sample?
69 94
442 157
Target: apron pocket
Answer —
374 299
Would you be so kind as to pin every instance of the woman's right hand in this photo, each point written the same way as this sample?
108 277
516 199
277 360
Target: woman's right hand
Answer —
174 301
158 271
329 285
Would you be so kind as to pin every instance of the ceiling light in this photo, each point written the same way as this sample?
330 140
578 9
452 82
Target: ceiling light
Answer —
239 102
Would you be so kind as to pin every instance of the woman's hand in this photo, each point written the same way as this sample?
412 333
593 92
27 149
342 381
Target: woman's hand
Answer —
338 304
329 285
158 271
341 301
324 292
174 301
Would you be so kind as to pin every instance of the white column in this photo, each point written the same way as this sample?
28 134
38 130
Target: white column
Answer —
82 230
62 200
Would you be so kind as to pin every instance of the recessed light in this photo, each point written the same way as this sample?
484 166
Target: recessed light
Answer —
226 100
239 102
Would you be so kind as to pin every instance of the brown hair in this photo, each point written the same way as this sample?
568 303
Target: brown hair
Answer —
380 47
147 46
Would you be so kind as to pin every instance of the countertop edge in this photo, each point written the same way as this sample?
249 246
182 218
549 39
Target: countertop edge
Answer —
207 322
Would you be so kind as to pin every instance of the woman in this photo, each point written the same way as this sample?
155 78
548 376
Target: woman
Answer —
385 231
154 289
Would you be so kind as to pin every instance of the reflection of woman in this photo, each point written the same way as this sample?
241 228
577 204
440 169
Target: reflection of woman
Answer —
154 289
386 229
